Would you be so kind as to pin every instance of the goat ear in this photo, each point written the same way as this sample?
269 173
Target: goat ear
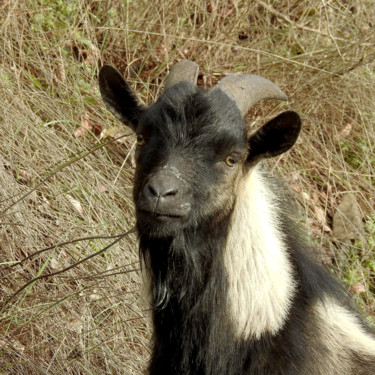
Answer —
119 97
275 137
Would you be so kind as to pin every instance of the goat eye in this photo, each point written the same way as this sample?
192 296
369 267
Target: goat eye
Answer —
230 161
140 140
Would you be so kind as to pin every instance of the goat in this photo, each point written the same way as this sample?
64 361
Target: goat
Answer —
233 289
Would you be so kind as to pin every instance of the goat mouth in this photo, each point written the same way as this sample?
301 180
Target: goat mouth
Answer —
163 215
172 216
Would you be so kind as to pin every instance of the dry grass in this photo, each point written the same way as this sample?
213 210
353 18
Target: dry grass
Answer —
57 186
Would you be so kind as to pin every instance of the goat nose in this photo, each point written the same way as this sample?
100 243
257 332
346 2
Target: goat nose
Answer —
162 186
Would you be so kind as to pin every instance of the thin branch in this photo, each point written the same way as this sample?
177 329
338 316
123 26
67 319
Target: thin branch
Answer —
79 156
329 29
100 276
63 244
64 269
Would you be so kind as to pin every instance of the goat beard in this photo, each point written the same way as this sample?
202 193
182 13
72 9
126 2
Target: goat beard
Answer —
178 264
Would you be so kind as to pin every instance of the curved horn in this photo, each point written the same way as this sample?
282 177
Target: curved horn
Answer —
183 71
248 89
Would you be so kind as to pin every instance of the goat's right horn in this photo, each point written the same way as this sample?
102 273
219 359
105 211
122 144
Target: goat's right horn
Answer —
248 89
182 71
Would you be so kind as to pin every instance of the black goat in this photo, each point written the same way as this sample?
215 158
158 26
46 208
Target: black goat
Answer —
233 289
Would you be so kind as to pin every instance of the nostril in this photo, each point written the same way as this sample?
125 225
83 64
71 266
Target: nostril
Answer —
165 187
152 190
171 193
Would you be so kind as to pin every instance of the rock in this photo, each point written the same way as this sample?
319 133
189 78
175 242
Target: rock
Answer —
347 220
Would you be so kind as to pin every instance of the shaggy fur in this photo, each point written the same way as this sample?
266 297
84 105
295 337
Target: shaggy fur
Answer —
234 289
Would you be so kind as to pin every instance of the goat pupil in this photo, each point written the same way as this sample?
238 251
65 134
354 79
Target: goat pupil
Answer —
230 161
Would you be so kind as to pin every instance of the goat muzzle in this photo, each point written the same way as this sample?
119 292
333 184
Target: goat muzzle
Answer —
164 198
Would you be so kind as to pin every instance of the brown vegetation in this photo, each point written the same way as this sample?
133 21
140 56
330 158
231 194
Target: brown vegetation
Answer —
66 164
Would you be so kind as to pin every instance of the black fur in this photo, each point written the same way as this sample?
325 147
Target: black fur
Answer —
119 96
265 143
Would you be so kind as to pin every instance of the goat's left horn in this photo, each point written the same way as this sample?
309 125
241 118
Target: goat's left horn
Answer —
183 71
248 89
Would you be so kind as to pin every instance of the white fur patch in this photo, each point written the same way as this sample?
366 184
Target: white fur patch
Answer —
341 328
261 283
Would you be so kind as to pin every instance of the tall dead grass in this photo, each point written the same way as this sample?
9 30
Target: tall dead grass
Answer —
66 165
